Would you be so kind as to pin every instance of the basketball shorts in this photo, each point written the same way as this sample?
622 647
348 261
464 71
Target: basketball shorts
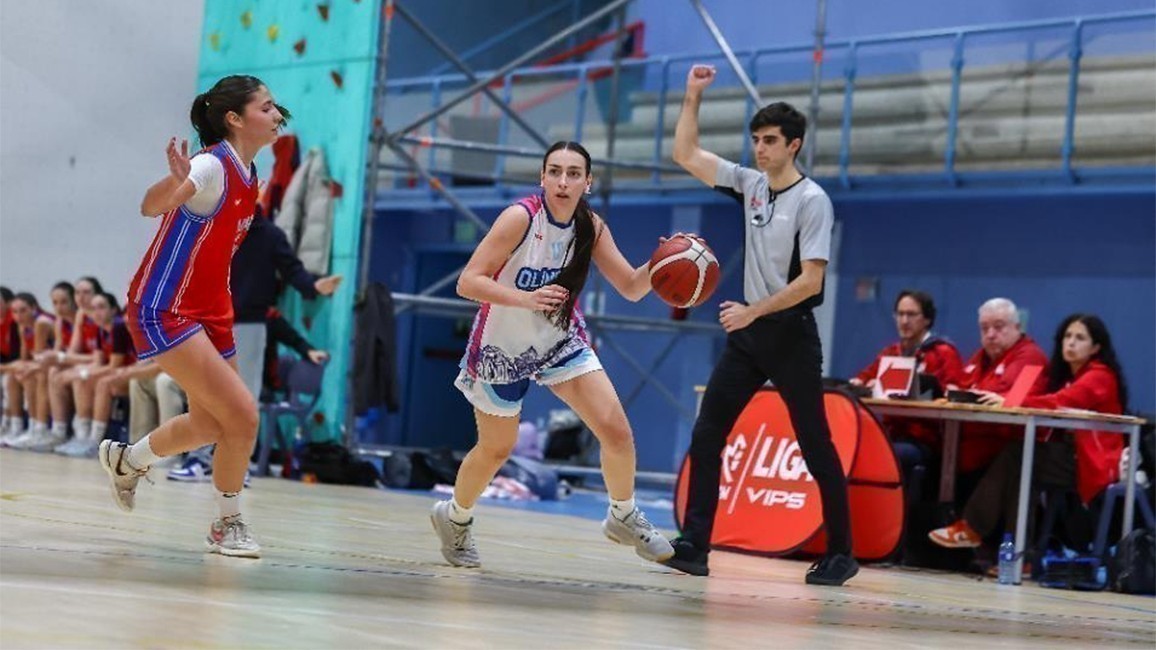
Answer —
505 400
156 331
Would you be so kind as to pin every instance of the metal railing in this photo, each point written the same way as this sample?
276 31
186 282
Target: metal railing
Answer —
852 53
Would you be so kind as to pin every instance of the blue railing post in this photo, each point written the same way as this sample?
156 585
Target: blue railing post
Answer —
953 110
1069 145
849 72
753 73
583 90
660 125
503 129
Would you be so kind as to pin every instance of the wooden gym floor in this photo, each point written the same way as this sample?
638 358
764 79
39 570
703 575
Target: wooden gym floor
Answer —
359 568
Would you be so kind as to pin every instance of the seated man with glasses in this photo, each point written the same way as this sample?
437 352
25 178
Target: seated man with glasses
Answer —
916 442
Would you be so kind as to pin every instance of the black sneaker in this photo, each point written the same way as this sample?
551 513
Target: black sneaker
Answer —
832 570
688 558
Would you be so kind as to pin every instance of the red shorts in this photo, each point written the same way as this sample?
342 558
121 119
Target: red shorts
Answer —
155 331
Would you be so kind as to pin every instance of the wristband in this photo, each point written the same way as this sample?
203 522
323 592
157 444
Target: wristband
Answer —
59 356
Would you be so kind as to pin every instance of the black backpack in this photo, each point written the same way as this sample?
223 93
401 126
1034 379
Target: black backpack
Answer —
1134 568
332 463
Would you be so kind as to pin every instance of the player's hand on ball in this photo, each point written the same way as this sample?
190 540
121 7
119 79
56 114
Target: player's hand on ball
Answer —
548 298
735 316
691 235
179 164
700 76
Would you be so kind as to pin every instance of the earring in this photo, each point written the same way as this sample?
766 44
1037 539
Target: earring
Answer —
587 189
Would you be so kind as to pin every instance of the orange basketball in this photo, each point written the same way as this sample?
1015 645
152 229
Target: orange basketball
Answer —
684 271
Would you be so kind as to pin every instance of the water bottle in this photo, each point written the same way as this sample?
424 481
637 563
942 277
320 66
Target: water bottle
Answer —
1007 560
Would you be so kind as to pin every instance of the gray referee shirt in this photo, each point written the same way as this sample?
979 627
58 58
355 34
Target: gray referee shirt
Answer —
794 224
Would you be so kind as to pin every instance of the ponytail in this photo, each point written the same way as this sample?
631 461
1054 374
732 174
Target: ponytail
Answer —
199 116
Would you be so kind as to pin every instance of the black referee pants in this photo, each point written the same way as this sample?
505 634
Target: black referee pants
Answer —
784 348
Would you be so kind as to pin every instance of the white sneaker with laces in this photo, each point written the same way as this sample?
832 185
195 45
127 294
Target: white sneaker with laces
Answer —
458 547
231 537
635 530
113 458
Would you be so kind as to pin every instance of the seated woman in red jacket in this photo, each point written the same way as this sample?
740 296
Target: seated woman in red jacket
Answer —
1084 374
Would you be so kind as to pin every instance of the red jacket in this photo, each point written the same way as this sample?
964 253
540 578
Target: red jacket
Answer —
1094 388
934 356
979 444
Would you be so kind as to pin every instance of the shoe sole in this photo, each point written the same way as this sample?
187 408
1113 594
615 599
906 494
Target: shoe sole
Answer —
828 582
640 551
687 568
437 531
212 547
945 543
102 454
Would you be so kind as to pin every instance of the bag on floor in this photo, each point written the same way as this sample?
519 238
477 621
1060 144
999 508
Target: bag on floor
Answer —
421 470
332 463
1135 563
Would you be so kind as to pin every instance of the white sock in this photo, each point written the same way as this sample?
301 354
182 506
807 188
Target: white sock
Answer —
4 422
16 425
37 425
60 428
141 454
97 431
622 509
81 427
460 515
229 503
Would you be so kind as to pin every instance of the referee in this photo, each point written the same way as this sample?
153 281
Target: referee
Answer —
773 334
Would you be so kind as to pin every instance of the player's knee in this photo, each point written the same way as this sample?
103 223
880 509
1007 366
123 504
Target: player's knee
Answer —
615 436
495 450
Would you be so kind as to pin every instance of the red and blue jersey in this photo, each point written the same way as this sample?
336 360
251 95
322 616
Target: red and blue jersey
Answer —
117 340
89 336
186 269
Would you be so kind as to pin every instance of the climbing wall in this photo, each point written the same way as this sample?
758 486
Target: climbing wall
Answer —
317 57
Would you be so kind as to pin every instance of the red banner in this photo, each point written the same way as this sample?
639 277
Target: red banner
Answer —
768 501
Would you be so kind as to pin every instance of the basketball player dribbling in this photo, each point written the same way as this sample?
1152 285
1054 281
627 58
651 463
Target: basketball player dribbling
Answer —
179 309
527 274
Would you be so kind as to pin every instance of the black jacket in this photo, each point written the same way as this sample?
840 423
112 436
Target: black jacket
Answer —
264 254
375 352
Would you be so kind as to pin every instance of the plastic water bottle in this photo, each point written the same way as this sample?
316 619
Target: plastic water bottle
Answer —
1007 560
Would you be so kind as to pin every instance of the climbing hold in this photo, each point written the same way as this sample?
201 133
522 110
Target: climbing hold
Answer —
299 47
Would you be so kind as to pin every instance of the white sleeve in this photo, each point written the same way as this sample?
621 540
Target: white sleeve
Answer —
816 221
208 176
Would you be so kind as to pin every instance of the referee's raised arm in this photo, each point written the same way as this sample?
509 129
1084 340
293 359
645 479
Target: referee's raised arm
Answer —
702 164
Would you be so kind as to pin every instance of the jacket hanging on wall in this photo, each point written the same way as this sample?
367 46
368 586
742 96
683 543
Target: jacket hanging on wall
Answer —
307 212
375 352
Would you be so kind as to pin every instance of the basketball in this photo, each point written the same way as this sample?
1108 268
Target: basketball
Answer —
684 271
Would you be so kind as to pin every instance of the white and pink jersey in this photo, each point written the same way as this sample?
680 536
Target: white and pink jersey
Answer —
508 344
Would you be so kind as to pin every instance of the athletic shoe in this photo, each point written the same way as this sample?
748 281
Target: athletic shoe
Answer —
25 437
69 447
114 459
458 547
44 441
688 558
230 536
12 436
195 470
634 530
957 535
832 570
